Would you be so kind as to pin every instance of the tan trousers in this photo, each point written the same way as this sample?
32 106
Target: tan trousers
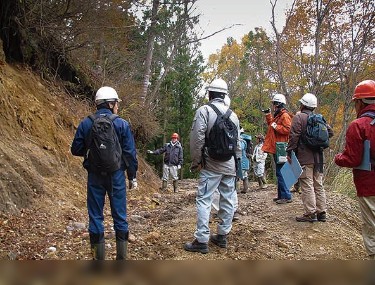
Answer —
313 194
367 206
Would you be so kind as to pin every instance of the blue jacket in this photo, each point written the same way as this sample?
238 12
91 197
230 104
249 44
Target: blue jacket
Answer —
245 163
126 139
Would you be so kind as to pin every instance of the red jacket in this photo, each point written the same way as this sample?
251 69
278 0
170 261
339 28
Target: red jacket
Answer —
358 131
283 121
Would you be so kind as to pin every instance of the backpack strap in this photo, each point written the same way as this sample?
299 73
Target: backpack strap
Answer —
92 117
227 113
370 114
113 117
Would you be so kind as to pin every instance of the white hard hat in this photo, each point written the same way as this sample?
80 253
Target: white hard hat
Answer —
227 100
106 94
280 98
218 85
309 100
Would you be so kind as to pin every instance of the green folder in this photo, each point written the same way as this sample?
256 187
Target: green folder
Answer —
281 152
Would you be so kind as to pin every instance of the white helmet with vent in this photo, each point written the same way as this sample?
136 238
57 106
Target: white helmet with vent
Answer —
280 98
218 85
106 94
309 100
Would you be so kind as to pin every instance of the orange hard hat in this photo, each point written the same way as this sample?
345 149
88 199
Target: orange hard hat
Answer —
365 89
174 136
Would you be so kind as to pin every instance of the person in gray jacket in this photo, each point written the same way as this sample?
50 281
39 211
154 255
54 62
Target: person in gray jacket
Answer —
214 174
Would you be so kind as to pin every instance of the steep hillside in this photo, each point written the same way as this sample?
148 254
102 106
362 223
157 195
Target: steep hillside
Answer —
37 124
43 196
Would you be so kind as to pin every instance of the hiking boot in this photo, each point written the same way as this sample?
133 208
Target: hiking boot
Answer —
236 216
322 217
219 240
283 201
307 218
275 199
196 246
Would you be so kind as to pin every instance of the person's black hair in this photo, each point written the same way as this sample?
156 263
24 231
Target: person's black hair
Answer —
309 108
105 105
213 95
279 108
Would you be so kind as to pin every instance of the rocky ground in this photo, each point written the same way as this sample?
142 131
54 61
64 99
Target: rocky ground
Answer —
161 223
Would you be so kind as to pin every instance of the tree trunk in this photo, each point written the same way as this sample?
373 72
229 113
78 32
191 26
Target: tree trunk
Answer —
150 50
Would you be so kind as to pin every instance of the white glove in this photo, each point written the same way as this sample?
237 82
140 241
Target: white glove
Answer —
178 166
133 184
274 125
150 151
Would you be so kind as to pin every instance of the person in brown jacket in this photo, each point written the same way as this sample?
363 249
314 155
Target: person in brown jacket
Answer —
311 179
278 131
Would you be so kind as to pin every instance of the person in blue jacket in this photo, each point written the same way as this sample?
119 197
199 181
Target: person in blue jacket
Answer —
245 141
107 103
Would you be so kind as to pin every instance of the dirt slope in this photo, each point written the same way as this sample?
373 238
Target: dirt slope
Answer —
43 197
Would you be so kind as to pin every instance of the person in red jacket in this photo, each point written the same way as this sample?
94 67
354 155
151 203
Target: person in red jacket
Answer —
360 130
278 131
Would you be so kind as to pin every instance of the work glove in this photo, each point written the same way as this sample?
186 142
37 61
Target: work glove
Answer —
178 166
150 151
266 111
133 183
274 125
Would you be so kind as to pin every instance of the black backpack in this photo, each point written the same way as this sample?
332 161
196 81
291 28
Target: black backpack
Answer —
103 147
316 136
222 139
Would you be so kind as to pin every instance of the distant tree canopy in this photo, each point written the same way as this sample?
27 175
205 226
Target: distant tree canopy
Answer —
326 47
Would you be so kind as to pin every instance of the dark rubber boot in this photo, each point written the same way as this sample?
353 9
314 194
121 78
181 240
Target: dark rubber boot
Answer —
245 185
175 186
260 182
264 180
97 246
121 245
164 186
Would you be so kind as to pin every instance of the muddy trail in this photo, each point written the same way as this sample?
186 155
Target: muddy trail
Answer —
161 223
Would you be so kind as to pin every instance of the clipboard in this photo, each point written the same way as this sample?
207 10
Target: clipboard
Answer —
366 162
291 171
